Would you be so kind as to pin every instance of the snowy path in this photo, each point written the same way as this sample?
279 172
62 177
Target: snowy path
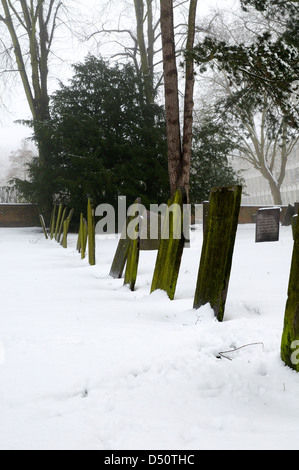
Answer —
90 365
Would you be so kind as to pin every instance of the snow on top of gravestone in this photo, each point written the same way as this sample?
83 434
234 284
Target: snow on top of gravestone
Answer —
270 208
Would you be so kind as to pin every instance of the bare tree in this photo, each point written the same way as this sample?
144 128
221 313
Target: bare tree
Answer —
31 26
19 161
143 46
264 133
267 146
139 42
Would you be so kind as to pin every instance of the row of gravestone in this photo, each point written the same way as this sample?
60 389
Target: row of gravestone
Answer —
216 258
59 229
217 252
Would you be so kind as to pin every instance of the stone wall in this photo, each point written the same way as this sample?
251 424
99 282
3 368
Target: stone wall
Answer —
18 215
247 213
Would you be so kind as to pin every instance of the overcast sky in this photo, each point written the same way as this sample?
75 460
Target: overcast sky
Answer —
68 49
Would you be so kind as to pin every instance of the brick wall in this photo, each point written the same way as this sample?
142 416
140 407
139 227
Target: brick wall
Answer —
247 213
18 215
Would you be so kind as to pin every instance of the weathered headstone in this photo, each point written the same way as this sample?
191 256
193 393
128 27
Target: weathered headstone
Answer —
287 220
290 337
121 255
151 222
294 225
42 221
218 248
268 225
133 252
82 238
91 233
53 222
60 210
206 206
171 246
66 226
61 225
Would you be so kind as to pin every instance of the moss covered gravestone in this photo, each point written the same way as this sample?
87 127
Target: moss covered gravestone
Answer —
82 238
290 337
121 255
53 222
63 217
134 247
171 246
66 226
218 248
42 221
58 220
294 225
91 233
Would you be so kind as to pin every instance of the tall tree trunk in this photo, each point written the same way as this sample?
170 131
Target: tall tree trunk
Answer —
139 10
189 101
179 156
171 94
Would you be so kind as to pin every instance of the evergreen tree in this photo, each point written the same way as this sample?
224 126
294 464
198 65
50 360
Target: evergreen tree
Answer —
107 140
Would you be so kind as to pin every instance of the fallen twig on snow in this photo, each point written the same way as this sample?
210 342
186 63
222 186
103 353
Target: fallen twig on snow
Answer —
223 354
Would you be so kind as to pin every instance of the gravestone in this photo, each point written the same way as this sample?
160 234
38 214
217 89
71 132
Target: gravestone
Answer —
171 246
42 221
63 217
290 337
268 225
60 211
206 206
66 226
218 248
91 233
150 221
121 255
134 251
53 222
287 220
82 237
294 225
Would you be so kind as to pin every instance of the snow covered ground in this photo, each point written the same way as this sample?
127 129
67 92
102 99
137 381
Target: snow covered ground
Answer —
90 365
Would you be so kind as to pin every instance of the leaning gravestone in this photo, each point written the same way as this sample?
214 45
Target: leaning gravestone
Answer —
42 221
151 223
91 233
294 225
287 220
171 246
134 249
290 337
121 255
66 226
218 248
268 225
